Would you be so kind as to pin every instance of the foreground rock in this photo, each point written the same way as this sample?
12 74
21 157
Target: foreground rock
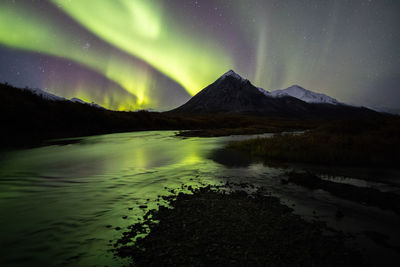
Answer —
213 228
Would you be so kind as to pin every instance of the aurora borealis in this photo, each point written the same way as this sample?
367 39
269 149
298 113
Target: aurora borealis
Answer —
132 54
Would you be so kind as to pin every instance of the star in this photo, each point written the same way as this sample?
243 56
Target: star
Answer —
86 46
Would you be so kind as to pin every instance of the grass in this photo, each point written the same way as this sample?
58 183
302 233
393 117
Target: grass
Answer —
209 227
362 142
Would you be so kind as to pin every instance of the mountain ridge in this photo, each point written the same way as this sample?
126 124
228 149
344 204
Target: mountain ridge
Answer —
231 93
302 94
52 97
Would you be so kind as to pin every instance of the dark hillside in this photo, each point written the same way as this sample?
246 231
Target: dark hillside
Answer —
28 119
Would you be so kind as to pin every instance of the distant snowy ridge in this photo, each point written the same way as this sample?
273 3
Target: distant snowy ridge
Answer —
45 95
80 101
265 92
302 94
293 91
52 97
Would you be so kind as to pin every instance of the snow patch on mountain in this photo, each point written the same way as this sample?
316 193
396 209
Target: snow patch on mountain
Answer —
232 74
302 94
52 97
45 95
293 91
80 101
265 92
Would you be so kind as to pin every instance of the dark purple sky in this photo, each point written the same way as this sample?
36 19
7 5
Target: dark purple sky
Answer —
129 54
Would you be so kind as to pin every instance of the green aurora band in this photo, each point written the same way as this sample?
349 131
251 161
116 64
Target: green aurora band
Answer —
135 54
139 28
34 34
134 26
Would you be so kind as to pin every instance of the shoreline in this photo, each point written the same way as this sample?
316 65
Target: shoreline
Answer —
351 143
223 225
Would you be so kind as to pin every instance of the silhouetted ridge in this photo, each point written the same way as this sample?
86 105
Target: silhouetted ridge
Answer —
232 93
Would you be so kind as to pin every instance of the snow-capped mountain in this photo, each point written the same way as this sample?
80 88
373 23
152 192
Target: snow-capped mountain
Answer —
52 97
233 75
302 94
45 95
80 101
231 93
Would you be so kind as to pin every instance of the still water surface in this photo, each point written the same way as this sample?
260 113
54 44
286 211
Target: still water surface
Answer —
56 201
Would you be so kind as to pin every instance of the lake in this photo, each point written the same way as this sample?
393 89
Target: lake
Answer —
61 203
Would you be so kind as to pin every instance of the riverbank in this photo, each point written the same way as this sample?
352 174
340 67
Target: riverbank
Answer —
266 125
361 142
209 226
105 181
29 120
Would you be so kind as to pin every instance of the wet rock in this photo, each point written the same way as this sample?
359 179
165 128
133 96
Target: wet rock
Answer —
213 228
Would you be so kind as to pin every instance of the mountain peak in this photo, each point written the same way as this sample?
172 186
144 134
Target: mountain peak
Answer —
297 87
232 94
232 74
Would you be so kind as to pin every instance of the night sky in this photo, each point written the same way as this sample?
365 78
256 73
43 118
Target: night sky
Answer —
133 54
